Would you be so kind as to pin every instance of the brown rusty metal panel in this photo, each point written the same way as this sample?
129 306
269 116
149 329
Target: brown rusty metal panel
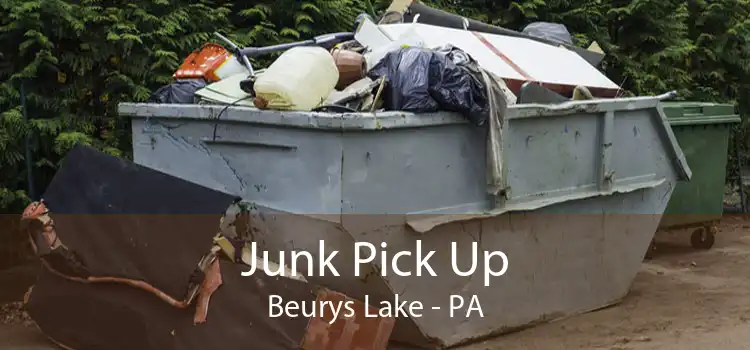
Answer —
353 329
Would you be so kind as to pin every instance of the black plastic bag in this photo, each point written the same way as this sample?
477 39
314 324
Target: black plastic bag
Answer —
421 80
178 92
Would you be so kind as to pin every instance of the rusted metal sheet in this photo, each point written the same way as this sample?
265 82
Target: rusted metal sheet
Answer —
357 327
119 265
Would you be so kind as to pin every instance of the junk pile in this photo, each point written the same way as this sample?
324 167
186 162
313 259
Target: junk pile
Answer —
419 66
414 132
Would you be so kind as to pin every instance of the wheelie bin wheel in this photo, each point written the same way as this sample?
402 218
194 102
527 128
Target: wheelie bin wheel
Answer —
703 238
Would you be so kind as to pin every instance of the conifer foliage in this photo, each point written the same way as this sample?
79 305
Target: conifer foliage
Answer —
77 59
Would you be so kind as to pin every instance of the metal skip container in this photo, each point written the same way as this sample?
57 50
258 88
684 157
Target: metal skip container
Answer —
585 185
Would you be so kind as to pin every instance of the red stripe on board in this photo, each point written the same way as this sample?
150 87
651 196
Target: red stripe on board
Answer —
507 60
515 84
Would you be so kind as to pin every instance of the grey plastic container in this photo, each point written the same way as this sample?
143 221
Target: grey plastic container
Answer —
587 183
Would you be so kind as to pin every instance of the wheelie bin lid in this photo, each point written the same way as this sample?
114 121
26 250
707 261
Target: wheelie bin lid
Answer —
699 113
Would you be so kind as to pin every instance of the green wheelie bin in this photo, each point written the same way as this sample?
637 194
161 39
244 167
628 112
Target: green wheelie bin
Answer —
702 130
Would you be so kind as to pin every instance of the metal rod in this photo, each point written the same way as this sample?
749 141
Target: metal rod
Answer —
27 145
325 40
236 51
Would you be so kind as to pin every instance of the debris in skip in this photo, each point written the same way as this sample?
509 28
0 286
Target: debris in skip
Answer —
506 159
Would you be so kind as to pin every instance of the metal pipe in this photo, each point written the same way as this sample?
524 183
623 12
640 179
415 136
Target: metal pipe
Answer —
324 40
576 103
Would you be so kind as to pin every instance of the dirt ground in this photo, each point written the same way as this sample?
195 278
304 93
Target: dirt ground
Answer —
682 299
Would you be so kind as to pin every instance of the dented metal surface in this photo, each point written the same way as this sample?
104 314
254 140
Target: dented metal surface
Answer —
329 158
66 263
123 300
583 197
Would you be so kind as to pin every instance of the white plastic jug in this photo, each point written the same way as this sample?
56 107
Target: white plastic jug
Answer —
300 79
